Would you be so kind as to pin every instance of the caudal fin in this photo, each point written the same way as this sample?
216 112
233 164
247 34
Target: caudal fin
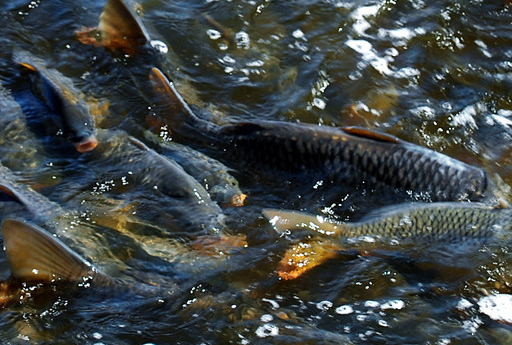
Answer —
36 256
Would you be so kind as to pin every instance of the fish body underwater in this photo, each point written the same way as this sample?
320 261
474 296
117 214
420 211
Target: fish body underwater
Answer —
160 181
37 257
211 173
348 154
421 225
60 96
119 30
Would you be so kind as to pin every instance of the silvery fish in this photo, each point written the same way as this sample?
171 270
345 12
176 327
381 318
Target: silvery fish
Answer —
60 96
348 154
429 224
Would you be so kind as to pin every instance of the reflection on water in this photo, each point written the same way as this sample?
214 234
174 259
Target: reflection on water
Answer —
436 73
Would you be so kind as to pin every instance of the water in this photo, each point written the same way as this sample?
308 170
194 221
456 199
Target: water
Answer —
436 73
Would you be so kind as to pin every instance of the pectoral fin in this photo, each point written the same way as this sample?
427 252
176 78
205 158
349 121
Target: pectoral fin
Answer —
369 134
291 220
36 256
305 255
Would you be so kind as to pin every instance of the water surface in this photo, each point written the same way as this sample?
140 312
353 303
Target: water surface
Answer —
436 73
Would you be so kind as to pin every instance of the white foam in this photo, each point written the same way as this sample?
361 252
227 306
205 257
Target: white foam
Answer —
160 46
395 304
359 15
371 304
465 118
213 34
464 304
369 55
505 122
324 305
344 310
267 330
298 34
497 307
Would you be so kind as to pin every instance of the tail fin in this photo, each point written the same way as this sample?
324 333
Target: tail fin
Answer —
36 256
119 29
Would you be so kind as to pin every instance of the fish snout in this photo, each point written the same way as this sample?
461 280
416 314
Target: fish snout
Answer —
86 145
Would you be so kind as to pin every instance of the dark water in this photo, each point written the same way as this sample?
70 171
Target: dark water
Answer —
436 73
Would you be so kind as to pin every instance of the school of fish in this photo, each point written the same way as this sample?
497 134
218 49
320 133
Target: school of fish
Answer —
449 195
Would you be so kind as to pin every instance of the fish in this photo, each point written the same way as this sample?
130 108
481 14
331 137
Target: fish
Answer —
36 257
119 30
155 180
38 206
344 154
57 92
395 228
15 135
215 177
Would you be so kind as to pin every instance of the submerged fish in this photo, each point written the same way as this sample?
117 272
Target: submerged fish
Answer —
37 257
167 193
212 174
409 225
119 29
58 93
349 154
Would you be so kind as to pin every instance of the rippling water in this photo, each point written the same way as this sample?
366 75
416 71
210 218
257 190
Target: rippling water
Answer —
436 73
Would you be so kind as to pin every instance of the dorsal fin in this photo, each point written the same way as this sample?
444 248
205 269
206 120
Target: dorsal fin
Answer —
370 134
36 256
121 29
291 220
167 95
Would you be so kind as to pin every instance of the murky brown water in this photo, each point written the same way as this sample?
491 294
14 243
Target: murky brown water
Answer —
436 73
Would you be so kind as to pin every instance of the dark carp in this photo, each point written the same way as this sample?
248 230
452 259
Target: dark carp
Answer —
215 177
468 224
348 154
75 121
164 192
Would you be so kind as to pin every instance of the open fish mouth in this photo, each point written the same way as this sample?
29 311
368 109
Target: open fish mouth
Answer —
87 145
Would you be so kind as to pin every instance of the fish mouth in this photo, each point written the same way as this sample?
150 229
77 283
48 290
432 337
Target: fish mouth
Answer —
87 144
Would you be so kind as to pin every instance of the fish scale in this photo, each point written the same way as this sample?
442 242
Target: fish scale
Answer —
434 222
350 154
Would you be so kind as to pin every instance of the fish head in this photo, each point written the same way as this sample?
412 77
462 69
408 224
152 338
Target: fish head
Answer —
78 126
